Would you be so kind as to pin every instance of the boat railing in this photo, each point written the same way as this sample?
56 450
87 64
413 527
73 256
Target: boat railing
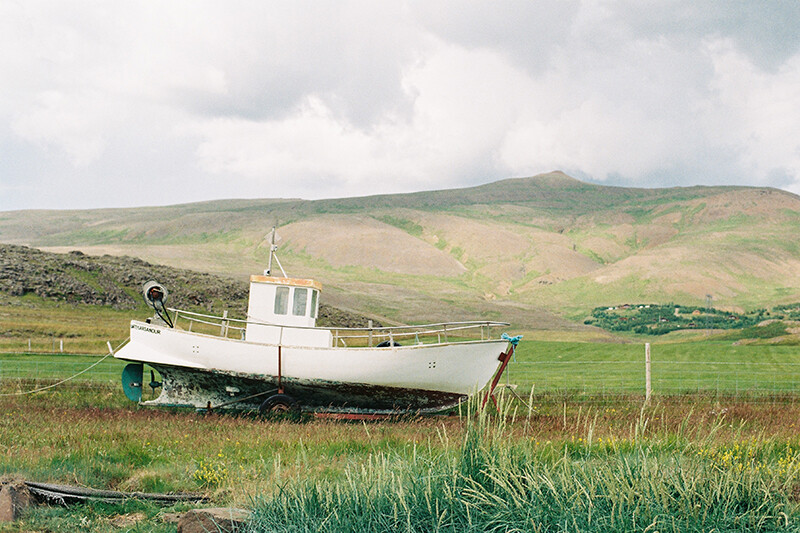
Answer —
222 326
441 332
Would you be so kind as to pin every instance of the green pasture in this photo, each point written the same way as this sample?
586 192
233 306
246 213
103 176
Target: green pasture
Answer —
593 460
583 368
34 324
676 367
47 368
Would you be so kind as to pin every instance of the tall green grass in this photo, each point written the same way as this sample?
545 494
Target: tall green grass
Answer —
489 481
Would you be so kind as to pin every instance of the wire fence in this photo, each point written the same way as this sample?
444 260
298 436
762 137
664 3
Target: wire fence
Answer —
573 377
667 377
39 346
40 368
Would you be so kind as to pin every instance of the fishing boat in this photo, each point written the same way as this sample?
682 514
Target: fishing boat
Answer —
277 359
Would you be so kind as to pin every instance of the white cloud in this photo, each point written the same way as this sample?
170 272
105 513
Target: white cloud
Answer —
310 143
462 103
203 100
756 112
55 121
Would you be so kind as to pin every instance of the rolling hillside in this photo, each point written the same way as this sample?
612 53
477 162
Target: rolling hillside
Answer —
539 252
29 276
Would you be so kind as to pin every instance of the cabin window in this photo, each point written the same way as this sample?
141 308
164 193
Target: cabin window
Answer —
281 300
300 302
313 304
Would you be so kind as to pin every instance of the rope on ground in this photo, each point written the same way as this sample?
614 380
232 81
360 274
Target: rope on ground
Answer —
54 385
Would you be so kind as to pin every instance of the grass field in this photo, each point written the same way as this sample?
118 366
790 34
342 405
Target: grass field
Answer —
684 463
677 367
717 447
582 368
45 324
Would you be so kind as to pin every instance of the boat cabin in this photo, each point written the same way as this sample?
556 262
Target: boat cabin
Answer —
288 302
284 301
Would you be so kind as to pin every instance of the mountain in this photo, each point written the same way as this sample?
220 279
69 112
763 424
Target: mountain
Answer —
539 251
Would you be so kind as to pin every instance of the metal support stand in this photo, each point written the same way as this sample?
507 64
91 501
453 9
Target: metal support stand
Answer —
504 358
280 371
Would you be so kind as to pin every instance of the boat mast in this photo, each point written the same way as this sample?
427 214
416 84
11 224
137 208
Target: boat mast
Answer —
272 255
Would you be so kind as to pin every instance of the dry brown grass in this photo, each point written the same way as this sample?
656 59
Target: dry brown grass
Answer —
358 240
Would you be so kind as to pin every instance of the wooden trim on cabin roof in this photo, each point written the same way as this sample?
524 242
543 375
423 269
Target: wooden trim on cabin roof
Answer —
294 282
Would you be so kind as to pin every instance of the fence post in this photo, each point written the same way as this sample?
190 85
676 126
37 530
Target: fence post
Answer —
29 346
223 327
647 383
61 345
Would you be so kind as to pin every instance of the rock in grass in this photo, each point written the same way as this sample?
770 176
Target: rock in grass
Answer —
14 499
221 519
171 518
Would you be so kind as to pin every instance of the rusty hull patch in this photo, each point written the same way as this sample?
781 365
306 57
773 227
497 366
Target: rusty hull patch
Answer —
190 387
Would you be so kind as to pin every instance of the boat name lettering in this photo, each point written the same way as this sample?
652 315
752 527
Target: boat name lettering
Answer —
144 328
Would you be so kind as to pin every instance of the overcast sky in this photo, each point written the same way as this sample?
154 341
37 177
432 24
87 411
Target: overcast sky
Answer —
112 104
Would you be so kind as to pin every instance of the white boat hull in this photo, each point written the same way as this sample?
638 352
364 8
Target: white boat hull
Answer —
204 371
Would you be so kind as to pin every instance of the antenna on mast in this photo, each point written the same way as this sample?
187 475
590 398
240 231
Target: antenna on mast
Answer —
272 255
